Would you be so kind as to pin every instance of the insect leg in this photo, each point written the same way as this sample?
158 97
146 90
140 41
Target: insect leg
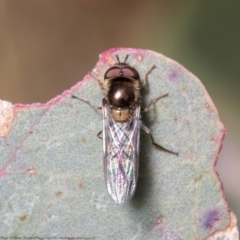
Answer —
100 135
86 101
144 82
100 84
153 101
155 144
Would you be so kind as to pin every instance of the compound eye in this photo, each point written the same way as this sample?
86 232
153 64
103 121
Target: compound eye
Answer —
125 72
130 72
112 72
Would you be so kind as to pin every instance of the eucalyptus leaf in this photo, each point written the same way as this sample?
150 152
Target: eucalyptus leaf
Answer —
52 181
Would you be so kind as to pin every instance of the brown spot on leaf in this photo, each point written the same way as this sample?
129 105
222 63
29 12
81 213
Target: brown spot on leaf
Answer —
212 138
176 119
31 171
185 90
58 193
23 218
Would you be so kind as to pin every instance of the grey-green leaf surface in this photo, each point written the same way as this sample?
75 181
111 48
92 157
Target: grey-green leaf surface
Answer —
52 181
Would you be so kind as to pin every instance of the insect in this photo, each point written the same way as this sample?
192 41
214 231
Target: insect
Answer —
121 109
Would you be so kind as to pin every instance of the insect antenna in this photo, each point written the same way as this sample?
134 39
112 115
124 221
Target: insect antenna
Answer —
126 58
118 59
124 62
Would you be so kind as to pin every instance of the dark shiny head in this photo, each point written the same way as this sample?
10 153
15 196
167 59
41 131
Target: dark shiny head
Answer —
122 70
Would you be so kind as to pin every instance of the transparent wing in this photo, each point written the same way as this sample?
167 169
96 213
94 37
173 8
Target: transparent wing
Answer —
121 154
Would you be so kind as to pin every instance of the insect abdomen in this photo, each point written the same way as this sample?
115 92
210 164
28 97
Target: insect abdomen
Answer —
121 154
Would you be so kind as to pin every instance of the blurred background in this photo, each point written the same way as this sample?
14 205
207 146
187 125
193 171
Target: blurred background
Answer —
46 46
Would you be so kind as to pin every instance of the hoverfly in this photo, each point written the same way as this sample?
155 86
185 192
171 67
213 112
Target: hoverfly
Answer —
121 109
